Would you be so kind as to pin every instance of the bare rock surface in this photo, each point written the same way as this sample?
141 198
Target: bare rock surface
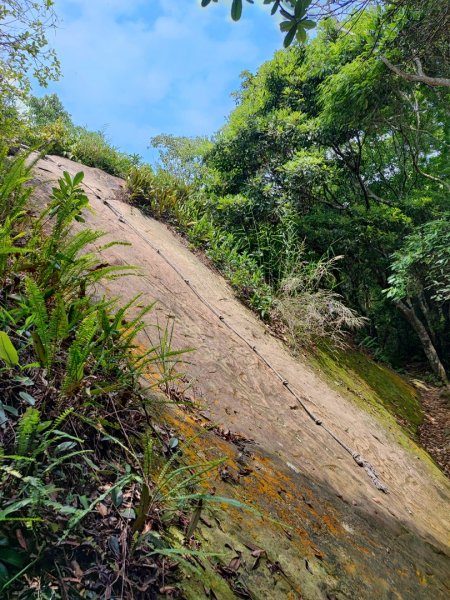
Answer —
369 544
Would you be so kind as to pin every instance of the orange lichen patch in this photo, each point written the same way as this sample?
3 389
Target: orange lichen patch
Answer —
361 549
280 492
332 524
301 524
269 491
350 568
403 572
190 428
421 577
153 378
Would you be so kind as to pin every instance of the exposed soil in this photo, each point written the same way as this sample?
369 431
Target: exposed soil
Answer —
434 433
403 538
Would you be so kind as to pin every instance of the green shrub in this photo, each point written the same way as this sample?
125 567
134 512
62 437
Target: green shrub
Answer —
160 194
54 138
242 271
200 232
69 392
93 149
141 185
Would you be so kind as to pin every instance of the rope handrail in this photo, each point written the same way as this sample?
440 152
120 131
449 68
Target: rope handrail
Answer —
359 460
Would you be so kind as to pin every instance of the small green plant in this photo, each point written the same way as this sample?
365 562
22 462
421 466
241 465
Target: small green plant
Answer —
40 448
13 198
159 193
93 150
8 353
79 352
243 272
58 466
140 184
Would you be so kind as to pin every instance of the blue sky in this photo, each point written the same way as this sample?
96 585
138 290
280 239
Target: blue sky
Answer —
143 67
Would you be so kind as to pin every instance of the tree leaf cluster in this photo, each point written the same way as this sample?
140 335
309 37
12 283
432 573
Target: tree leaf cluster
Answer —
358 158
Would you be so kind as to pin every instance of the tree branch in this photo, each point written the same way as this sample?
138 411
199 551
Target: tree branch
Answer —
419 78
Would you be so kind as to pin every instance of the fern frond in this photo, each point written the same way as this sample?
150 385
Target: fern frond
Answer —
38 309
79 352
80 241
13 193
61 418
58 327
26 431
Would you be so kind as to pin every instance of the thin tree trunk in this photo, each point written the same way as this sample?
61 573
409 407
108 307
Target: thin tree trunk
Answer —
426 313
424 337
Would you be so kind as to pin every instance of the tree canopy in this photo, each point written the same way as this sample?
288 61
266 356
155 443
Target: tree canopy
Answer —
24 53
411 36
23 43
357 157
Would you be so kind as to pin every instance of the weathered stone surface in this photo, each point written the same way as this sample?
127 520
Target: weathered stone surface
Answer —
349 540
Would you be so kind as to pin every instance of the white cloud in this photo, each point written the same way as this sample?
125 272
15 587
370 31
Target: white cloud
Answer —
154 66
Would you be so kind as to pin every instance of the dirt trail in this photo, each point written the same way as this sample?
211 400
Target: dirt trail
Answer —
243 395
435 431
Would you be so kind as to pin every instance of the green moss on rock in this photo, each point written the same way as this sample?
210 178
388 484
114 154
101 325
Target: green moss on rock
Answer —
372 384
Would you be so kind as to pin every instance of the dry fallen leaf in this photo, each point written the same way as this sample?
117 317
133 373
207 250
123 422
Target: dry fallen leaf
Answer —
102 509
21 539
234 564
76 569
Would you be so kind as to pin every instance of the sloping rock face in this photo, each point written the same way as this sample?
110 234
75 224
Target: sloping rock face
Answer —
333 533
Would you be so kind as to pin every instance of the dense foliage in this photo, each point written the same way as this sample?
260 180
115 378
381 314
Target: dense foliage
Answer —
326 138
78 447
329 153
413 33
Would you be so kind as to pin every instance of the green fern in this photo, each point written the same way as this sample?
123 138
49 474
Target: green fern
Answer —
13 192
59 266
26 431
145 500
14 195
79 352
60 419
38 309
64 266
58 327
68 202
